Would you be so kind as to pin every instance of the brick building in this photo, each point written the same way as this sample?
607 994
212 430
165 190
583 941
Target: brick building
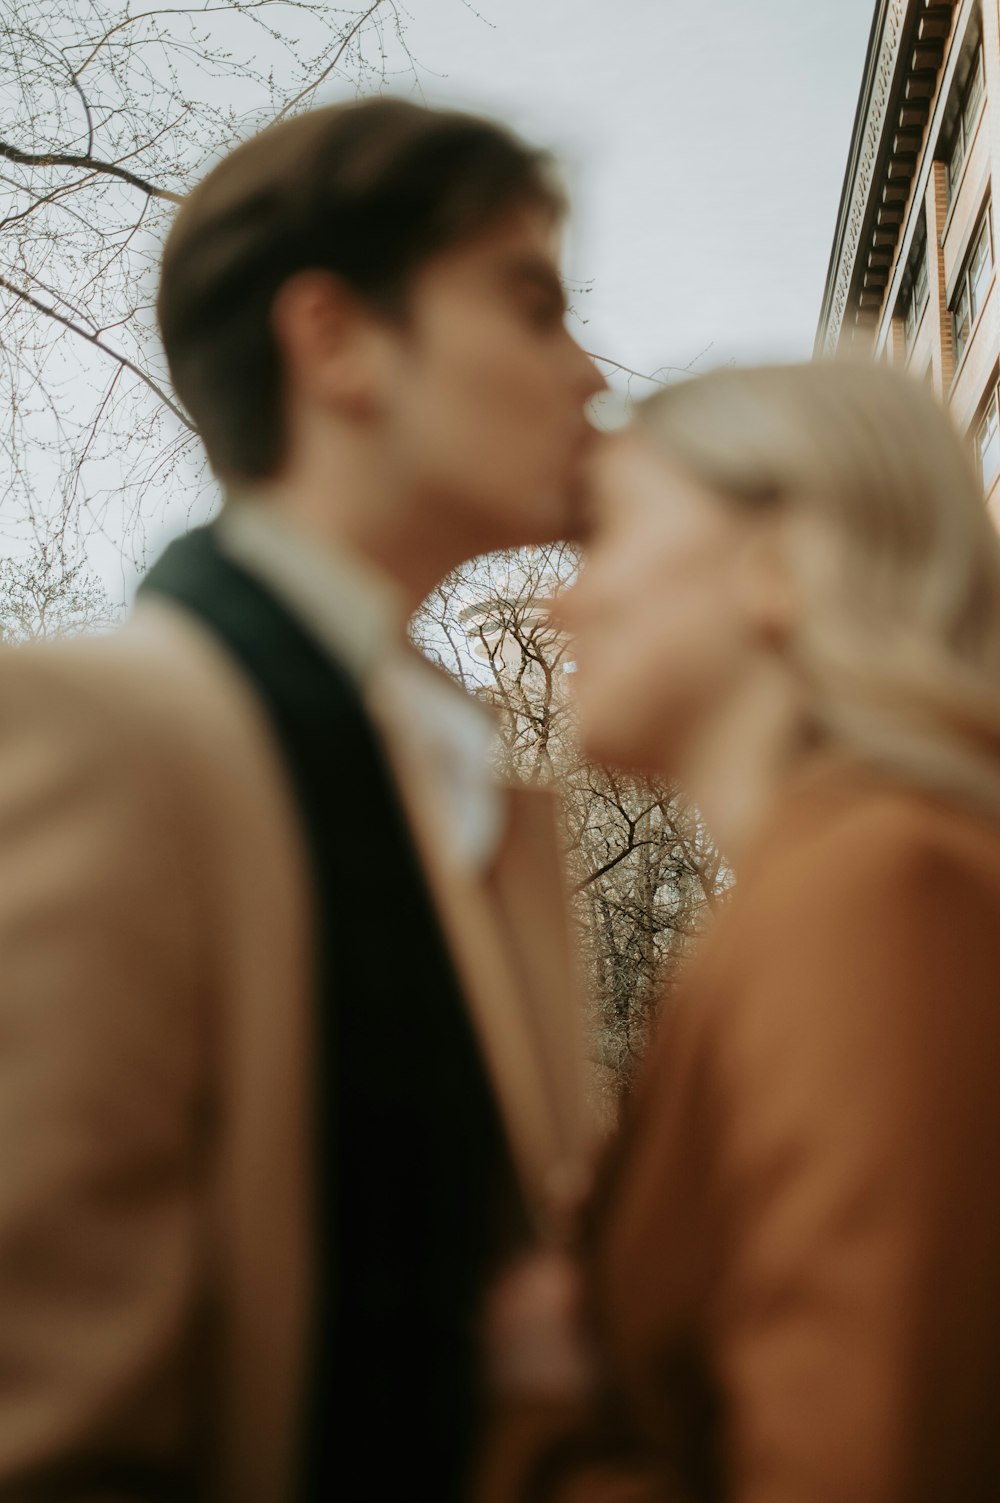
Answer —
912 270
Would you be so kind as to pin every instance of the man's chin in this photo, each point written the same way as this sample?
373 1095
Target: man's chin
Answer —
565 511
602 743
577 505
526 517
553 520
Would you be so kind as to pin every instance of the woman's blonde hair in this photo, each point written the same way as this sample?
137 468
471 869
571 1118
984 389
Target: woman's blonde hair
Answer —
890 546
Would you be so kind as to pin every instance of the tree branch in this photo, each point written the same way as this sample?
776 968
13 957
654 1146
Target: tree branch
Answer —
87 164
626 370
602 871
654 377
123 360
346 42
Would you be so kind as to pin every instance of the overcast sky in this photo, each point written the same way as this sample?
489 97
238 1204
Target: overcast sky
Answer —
706 144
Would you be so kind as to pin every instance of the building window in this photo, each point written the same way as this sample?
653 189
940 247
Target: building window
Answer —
965 125
973 287
988 443
916 298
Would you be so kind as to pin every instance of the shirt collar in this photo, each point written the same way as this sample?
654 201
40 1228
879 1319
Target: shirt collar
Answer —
349 606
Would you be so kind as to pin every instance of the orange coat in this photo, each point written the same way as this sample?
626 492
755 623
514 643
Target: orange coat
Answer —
793 1257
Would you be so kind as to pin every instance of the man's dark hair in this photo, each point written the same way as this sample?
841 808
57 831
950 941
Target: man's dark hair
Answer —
368 191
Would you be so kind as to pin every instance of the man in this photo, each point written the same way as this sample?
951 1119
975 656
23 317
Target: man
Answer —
287 1033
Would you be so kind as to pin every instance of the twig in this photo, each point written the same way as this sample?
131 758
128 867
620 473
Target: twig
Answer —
67 323
348 39
88 164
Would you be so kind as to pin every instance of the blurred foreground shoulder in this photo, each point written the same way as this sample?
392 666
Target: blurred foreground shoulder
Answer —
124 765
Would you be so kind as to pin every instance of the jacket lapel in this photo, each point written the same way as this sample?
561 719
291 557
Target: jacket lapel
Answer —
508 935
530 902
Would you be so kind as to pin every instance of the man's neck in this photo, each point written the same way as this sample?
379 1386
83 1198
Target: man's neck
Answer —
378 524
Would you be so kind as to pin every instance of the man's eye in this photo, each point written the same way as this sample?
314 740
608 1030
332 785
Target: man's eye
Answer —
544 313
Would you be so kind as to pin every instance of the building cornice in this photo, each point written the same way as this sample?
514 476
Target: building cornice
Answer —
960 24
905 49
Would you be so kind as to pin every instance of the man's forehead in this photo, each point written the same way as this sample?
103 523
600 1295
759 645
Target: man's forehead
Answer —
519 252
525 243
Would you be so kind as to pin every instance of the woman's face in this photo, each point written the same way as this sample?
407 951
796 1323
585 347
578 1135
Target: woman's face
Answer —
662 615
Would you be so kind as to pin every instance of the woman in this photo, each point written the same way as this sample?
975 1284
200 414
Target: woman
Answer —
791 1264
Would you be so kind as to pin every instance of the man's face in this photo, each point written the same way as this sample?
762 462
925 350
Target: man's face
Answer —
483 402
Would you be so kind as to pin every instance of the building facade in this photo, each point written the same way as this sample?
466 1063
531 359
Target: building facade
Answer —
912 270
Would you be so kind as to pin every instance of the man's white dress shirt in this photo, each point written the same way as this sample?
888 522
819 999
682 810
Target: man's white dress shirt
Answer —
355 613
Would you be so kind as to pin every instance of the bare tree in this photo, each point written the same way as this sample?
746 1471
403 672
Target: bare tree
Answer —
47 593
108 113
643 869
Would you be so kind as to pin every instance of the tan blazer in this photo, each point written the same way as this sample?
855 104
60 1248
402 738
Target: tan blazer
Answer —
793 1259
155 1038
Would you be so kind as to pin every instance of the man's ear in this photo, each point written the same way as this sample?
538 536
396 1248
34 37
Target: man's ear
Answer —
329 343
